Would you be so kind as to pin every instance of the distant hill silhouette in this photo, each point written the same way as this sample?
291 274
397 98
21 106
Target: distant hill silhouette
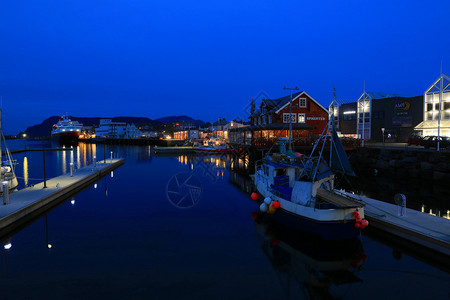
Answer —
45 128
180 119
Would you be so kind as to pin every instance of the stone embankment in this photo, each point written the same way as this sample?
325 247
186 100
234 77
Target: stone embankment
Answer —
425 165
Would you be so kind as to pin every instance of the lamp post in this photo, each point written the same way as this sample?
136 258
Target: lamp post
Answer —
5 186
43 158
382 132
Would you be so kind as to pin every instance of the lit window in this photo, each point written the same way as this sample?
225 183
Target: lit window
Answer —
301 118
286 118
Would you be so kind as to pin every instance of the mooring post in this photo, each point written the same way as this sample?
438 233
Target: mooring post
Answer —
5 193
95 161
104 152
111 156
43 158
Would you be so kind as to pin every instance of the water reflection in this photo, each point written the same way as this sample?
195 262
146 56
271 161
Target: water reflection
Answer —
63 161
319 269
25 171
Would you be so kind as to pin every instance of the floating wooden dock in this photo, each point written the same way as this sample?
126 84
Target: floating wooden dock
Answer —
174 150
415 226
24 204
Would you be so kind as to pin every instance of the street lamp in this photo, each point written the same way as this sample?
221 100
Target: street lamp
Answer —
382 132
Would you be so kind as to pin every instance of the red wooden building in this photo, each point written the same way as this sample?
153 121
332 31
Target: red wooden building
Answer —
271 121
305 110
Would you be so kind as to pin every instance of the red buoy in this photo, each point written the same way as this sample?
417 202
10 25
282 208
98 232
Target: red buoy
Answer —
358 220
255 196
358 225
275 204
355 214
255 216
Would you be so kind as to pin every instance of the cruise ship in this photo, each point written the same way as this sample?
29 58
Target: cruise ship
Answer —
66 130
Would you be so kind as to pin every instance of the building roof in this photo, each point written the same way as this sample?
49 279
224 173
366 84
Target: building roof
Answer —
376 95
274 126
433 124
275 104
221 122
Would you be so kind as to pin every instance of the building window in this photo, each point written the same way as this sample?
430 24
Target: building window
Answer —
436 106
270 119
446 105
302 102
378 115
429 106
265 120
286 118
301 118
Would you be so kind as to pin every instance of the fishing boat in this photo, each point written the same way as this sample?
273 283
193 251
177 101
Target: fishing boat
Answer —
7 174
66 131
298 190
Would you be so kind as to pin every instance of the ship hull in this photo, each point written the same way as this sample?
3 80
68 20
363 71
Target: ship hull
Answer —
66 138
329 230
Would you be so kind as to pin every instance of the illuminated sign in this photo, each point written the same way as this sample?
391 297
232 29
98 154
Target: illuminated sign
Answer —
402 108
349 112
403 105
316 118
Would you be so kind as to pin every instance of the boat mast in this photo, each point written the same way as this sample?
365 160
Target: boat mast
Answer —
290 117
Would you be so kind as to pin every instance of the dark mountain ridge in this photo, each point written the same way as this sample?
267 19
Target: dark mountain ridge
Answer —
45 128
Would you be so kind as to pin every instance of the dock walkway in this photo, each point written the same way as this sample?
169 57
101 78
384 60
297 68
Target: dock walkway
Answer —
25 202
418 227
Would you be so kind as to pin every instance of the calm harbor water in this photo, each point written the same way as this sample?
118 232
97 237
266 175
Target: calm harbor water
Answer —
166 227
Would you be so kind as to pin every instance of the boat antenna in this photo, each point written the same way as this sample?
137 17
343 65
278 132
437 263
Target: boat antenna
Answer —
290 117
332 117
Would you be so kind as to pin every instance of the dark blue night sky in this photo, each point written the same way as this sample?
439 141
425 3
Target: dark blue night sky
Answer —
206 59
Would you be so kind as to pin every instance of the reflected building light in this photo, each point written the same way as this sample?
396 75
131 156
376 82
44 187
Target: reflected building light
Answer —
112 174
95 186
78 157
94 150
63 161
72 202
7 246
25 171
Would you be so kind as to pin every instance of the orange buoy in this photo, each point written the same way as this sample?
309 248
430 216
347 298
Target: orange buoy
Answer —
255 196
272 210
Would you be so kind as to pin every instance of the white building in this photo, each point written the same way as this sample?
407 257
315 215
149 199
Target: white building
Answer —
114 130
436 108
230 125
